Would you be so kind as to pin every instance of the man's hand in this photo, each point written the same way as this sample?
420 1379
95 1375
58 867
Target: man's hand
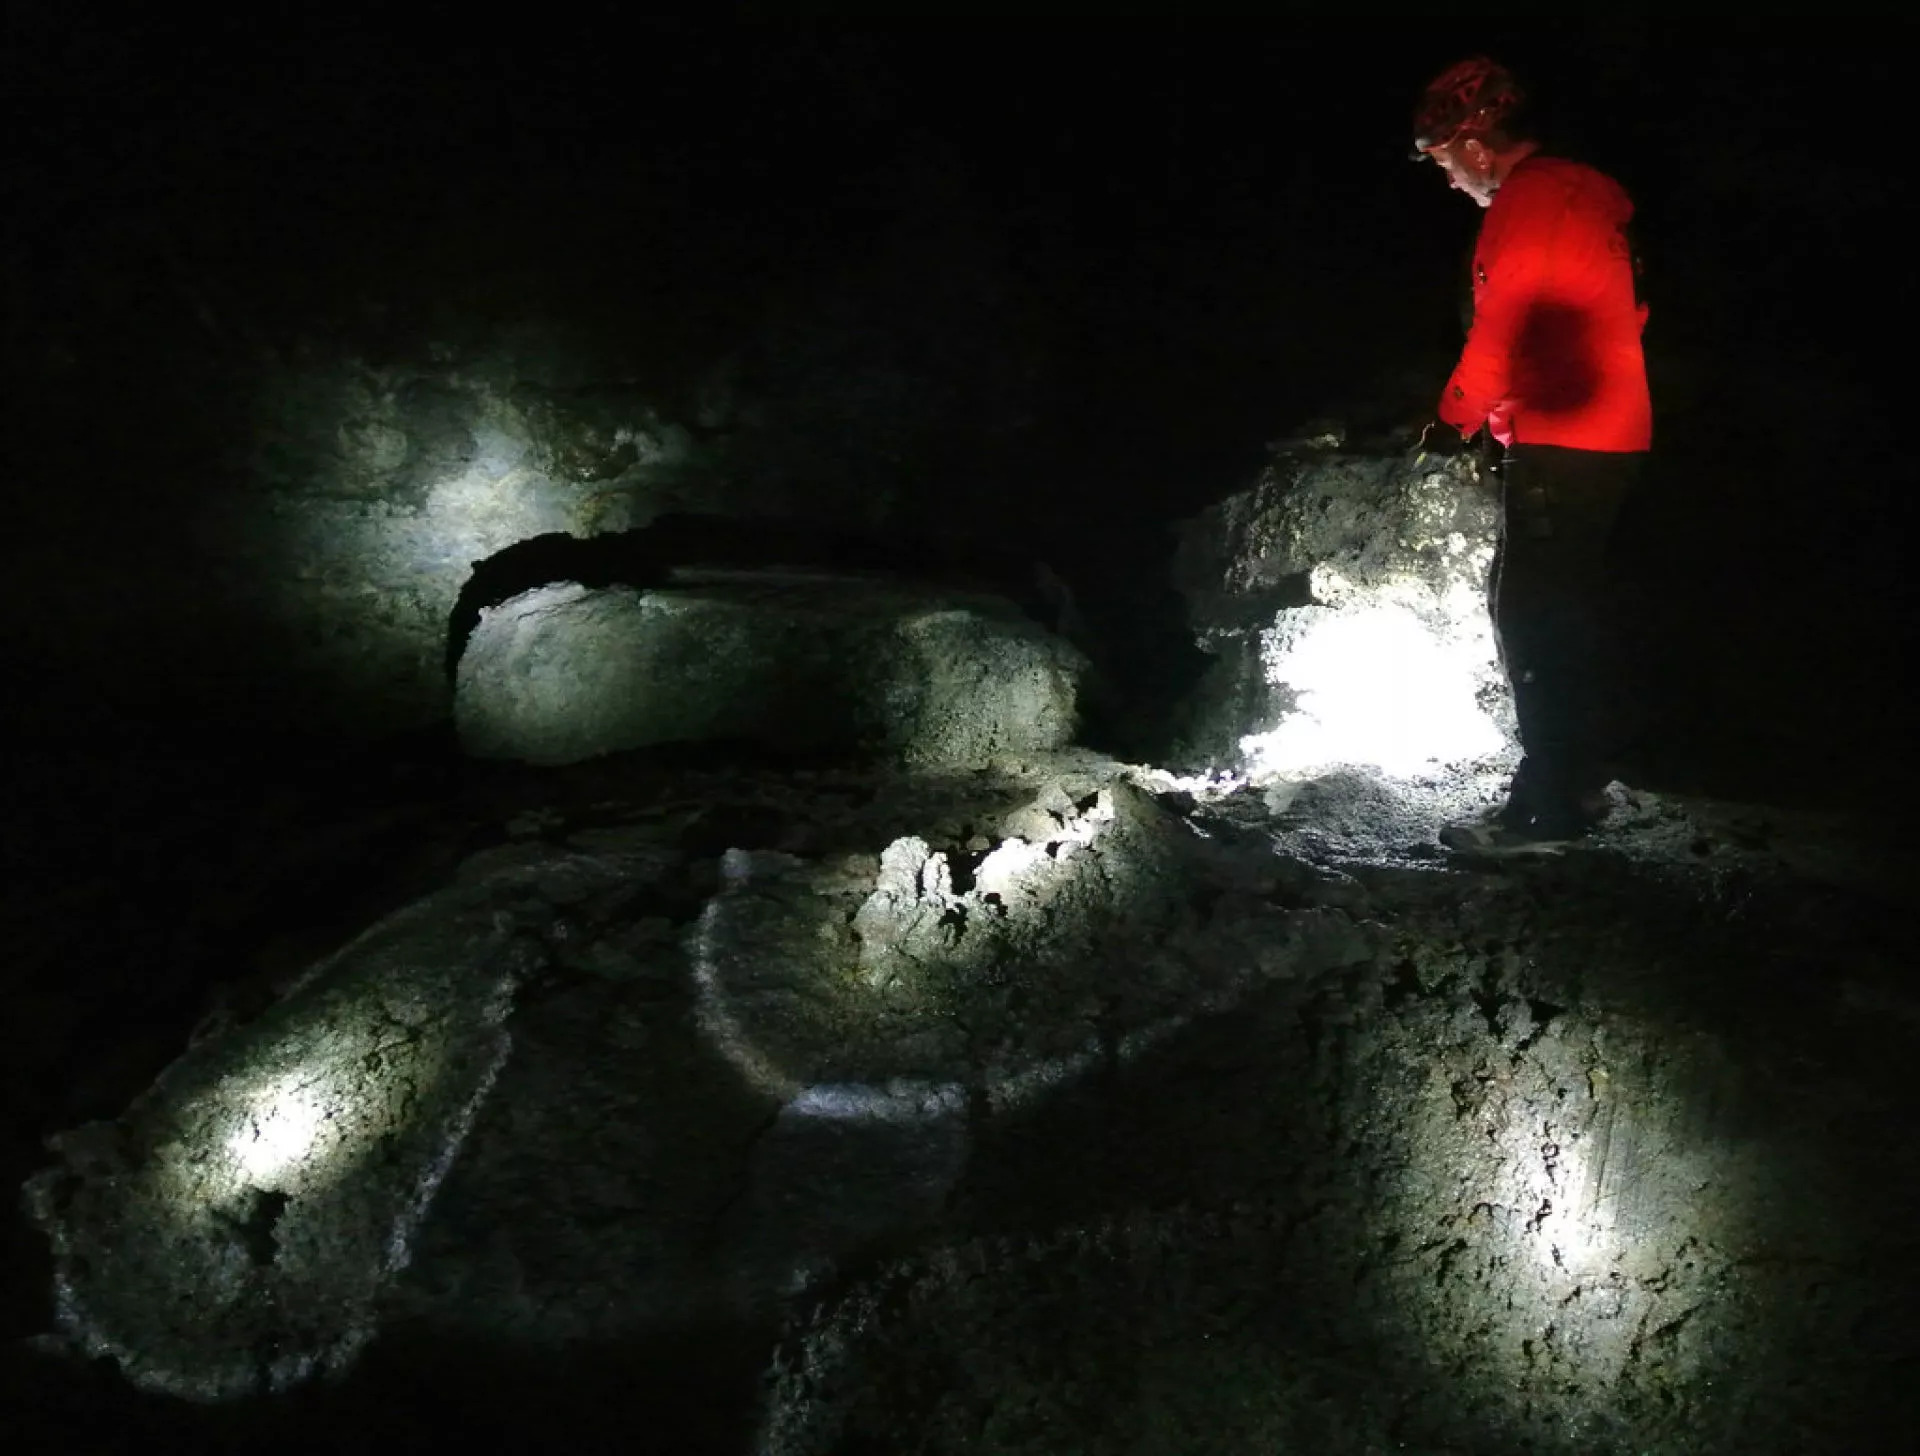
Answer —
1439 440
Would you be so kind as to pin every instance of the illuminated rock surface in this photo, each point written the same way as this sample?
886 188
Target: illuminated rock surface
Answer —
1047 1109
855 668
1344 599
1510 1178
246 1213
376 487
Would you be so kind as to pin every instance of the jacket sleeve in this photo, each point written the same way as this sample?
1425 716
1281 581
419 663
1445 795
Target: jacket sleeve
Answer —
1514 254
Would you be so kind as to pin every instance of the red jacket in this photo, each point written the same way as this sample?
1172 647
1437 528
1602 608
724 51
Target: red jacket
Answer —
1553 357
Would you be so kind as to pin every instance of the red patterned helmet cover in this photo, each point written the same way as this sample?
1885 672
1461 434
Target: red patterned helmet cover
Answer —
1471 98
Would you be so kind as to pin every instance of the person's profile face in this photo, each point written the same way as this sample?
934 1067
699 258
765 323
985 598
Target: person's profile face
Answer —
1466 164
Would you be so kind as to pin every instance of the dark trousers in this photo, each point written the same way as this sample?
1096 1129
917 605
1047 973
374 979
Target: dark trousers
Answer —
1557 626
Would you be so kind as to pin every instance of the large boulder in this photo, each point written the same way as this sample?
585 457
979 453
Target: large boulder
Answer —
812 664
1343 598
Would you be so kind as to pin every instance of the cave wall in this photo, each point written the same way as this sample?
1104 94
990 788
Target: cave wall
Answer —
301 566
260 485
376 491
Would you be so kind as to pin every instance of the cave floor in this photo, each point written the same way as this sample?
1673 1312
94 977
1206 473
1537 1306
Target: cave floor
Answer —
1609 1151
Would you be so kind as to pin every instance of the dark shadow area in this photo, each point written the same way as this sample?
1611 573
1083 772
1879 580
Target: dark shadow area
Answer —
695 1391
1763 597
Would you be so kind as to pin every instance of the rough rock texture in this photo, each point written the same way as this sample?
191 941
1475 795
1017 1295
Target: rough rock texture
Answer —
1488 1164
246 1212
851 667
1050 1109
374 491
828 1018
1339 562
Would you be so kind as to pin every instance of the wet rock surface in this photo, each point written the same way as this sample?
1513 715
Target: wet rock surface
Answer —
1056 1107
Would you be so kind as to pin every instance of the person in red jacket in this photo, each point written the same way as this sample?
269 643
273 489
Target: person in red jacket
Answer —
1553 371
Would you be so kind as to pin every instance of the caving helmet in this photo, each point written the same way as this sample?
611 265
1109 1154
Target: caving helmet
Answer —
1470 99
